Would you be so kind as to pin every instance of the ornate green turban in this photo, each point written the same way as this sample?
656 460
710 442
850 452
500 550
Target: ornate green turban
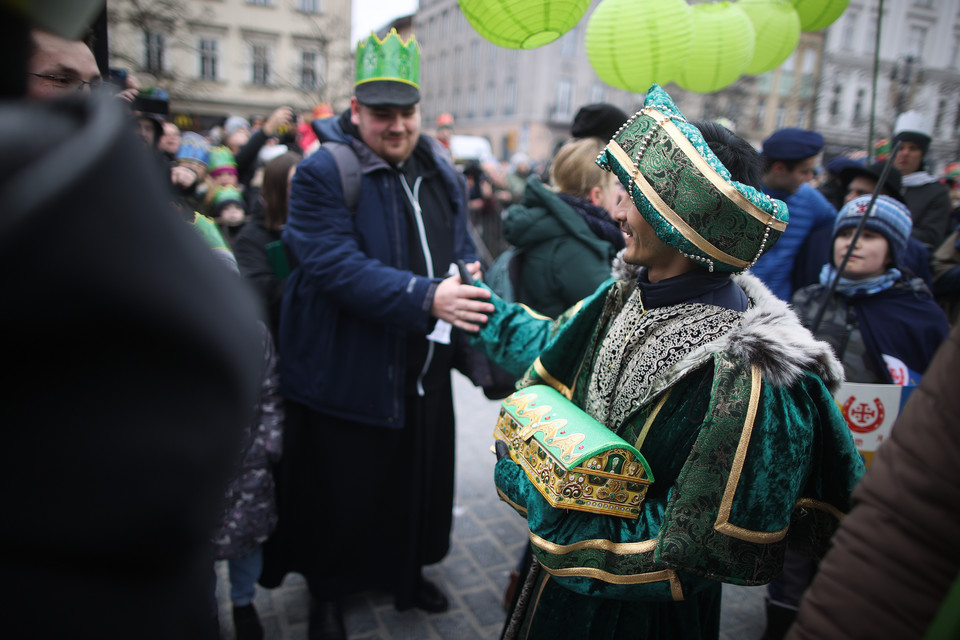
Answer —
686 194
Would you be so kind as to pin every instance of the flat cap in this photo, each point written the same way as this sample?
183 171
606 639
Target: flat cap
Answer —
792 144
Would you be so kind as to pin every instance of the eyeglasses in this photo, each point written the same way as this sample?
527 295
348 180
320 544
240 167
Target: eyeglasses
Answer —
68 83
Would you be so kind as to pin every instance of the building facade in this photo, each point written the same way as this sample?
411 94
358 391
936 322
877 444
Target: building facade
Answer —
218 58
522 101
526 100
919 68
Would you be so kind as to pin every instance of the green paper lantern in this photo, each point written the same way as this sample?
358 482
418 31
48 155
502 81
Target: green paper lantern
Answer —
523 24
723 45
632 44
819 14
777 27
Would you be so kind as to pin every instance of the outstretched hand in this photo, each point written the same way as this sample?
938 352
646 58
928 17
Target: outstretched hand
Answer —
462 305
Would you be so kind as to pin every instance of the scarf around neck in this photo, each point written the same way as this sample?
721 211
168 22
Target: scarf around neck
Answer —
851 288
918 179
597 219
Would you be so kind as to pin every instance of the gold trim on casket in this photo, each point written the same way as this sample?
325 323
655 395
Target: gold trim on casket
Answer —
573 460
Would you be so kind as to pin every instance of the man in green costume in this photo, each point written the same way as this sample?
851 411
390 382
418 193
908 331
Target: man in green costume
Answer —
707 373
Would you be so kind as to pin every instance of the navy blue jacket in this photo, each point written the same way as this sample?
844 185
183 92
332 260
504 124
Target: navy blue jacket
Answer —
352 301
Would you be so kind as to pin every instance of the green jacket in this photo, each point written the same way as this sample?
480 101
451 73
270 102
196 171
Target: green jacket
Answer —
734 413
563 260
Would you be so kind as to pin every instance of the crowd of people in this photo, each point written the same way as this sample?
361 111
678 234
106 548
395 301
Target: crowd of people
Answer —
697 300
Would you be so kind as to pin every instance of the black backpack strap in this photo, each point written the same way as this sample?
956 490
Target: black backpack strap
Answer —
349 167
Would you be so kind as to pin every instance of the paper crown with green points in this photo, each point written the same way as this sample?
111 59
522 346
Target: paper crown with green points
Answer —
388 71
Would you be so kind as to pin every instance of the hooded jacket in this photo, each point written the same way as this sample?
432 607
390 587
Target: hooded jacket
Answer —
563 260
357 298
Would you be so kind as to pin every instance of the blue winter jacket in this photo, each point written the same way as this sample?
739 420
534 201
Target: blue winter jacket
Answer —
351 301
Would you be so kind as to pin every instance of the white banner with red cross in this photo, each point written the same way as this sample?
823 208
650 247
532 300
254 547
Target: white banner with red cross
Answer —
870 411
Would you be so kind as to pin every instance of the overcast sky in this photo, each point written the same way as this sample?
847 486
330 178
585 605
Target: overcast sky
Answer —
370 15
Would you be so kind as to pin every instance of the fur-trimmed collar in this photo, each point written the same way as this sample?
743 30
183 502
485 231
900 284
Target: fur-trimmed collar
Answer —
770 336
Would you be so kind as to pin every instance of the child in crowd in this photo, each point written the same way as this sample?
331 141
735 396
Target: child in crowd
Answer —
223 167
878 318
250 515
229 211
188 175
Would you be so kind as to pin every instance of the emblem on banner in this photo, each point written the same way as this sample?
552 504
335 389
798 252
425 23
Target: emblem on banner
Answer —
863 417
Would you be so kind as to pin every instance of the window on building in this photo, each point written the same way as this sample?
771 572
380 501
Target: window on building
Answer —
564 96
941 112
916 37
509 96
209 59
597 92
445 22
781 115
475 54
802 117
455 104
154 46
309 6
310 65
760 114
261 3
849 30
924 4
472 102
441 102
858 108
492 55
260 64
835 100
955 54
458 58
490 99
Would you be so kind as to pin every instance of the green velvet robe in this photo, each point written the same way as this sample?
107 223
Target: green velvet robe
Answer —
744 439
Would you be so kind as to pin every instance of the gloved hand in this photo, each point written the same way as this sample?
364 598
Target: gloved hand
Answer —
502 450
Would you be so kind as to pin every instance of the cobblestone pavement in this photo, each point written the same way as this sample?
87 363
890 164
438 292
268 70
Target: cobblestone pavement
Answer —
487 540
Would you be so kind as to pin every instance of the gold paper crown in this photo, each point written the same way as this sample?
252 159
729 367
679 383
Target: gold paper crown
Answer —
388 59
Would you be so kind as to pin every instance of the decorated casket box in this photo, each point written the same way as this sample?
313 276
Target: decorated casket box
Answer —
573 460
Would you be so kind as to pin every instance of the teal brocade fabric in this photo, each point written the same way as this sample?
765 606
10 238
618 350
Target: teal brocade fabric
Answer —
736 460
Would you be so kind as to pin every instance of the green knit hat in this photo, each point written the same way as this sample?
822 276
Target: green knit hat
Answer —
226 195
222 161
388 71
686 194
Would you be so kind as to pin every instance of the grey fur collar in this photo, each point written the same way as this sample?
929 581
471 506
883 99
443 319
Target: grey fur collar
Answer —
770 336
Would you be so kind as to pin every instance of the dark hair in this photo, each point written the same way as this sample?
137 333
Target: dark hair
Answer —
275 188
768 163
736 154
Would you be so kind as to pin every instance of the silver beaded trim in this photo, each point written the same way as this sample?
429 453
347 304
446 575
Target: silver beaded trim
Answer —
696 258
766 234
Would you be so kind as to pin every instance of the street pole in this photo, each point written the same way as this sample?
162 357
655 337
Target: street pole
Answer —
873 98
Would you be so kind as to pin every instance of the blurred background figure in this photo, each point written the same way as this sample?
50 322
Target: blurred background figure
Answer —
169 142
565 236
790 159
115 465
927 199
258 248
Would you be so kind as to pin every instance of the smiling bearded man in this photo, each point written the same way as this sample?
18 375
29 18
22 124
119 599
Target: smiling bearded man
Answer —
707 374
